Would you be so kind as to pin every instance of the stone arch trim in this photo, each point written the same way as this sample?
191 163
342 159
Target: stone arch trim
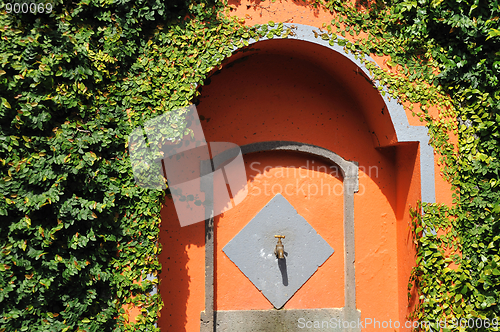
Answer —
349 171
404 131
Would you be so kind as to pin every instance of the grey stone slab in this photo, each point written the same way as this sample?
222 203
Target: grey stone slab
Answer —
328 319
252 250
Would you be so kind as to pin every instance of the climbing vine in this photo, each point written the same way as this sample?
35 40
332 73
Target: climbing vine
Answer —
80 239
444 56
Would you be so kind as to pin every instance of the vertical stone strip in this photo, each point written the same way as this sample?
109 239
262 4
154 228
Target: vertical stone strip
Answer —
350 187
207 318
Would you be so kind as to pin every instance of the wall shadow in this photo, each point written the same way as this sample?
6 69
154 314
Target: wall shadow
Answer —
406 161
177 282
283 270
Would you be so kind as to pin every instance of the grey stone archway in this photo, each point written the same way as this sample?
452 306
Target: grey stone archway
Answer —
404 131
287 320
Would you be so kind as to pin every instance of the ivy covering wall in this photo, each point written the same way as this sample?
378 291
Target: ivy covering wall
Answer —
447 58
79 237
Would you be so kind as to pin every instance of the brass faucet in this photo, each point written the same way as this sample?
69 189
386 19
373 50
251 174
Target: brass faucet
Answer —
279 251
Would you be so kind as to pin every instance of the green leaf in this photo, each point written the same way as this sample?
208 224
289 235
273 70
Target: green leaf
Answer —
5 103
493 33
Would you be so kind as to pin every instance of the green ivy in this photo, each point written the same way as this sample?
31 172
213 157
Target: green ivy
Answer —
447 53
79 237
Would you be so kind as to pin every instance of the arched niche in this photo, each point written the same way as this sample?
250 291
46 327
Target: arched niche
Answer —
305 91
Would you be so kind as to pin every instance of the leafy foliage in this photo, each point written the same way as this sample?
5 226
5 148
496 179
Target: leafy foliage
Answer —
79 237
447 56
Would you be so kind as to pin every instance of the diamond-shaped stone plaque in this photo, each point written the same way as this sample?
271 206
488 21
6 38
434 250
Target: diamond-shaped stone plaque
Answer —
252 250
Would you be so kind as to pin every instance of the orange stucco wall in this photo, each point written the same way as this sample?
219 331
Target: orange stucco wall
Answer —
291 90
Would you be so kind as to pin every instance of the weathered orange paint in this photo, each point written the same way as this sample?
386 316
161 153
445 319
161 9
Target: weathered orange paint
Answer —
297 91
261 12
